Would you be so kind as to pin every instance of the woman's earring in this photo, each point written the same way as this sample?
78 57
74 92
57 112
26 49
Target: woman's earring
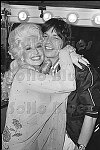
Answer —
58 50
10 55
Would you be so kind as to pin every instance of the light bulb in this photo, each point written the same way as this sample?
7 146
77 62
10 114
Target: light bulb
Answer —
47 16
72 18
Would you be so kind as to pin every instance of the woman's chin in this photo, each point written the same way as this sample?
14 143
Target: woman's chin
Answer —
51 55
36 63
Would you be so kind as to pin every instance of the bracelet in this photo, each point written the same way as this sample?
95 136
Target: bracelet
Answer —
81 146
72 50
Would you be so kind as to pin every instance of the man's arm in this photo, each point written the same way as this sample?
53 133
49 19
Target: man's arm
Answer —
91 95
86 131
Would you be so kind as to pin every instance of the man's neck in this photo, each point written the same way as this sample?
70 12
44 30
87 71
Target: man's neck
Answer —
54 60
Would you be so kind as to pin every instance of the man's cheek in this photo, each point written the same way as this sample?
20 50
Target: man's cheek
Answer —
58 45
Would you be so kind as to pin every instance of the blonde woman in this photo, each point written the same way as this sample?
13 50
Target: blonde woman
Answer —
36 115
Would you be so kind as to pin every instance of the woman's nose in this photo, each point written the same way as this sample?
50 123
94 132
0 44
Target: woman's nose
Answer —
35 51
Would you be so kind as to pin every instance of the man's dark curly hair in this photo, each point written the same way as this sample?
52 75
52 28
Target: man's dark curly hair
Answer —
62 29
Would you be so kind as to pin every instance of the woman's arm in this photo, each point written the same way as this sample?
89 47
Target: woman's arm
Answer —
63 81
76 58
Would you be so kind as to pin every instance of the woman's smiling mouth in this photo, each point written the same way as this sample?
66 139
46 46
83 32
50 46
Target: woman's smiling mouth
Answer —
36 58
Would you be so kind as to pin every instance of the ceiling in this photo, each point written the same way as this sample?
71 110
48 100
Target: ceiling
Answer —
86 11
78 4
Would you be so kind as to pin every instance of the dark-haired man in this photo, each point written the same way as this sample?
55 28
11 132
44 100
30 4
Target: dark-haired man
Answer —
83 103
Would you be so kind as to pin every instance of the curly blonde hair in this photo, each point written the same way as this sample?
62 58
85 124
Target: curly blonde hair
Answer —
16 36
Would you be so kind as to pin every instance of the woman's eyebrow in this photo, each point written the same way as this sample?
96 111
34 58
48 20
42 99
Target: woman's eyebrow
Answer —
45 33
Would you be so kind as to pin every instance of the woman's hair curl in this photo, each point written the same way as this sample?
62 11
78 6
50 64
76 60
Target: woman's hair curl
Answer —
16 36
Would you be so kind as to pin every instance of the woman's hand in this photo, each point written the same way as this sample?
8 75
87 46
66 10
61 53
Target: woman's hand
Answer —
65 60
76 58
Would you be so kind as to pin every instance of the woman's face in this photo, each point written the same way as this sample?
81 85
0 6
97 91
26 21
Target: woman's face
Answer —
52 43
32 50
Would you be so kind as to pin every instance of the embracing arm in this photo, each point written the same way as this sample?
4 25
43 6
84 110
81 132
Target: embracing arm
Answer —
45 83
76 58
63 81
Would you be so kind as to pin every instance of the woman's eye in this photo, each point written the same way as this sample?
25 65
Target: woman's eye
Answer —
28 48
45 36
38 46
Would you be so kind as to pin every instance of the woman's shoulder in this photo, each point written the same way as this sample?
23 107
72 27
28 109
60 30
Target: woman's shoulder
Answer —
23 74
27 74
25 71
